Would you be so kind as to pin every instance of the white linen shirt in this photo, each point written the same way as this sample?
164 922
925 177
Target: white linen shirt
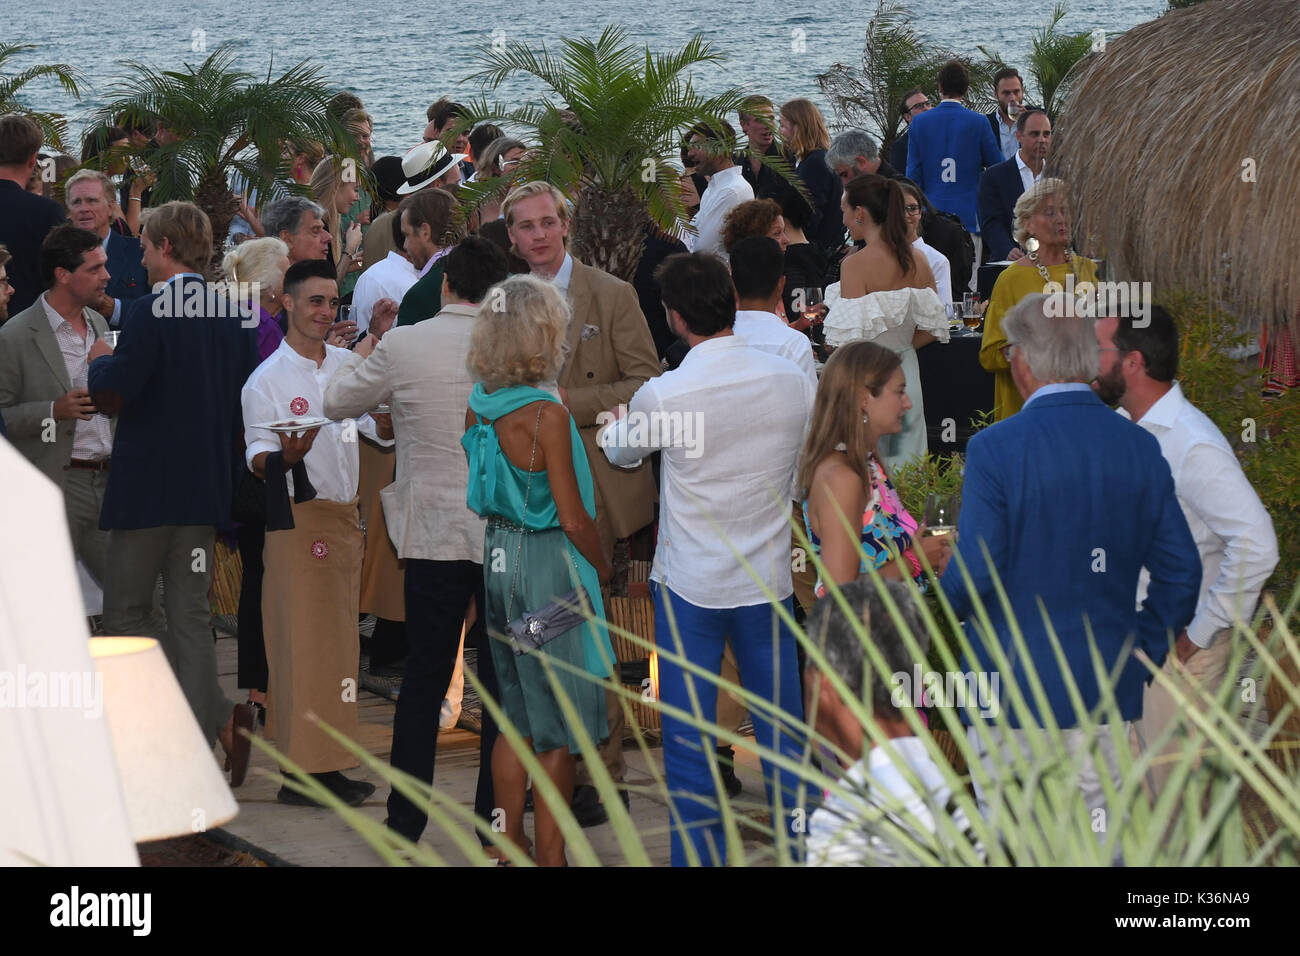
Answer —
768 331
1233 532
289 385
940 267
91 440
730 421
1027 177
727 189
389 278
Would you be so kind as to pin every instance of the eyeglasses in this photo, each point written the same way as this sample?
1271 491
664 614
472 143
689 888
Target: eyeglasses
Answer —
915 107
1006 350
912 210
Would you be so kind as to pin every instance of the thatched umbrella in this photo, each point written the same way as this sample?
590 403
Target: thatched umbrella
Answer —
1179 146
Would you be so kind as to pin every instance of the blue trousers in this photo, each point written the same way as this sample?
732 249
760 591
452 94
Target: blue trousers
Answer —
765 656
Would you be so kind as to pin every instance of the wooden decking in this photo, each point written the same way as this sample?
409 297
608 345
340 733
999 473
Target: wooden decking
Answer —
312 837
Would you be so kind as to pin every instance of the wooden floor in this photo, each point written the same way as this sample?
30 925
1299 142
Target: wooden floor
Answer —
313 837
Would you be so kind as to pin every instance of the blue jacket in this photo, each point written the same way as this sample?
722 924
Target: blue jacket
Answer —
948 148
127 278
1072 500
825 228
1000 187
174 383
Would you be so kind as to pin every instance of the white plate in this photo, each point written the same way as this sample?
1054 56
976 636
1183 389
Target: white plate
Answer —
293 425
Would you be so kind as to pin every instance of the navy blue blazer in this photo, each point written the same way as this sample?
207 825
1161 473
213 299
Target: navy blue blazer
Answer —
948 148
1072 500
898 152
25 220
127 278
174 382
1000 187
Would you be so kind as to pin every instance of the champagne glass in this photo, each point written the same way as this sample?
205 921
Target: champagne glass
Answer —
941 514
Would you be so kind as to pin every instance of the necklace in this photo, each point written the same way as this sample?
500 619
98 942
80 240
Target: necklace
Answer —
1031 249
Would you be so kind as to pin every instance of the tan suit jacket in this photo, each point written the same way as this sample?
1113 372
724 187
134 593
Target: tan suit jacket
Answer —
611 354
32 375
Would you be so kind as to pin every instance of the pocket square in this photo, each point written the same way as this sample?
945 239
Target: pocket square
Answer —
588 331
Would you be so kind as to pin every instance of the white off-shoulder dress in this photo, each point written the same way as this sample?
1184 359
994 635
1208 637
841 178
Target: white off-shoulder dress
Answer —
889 319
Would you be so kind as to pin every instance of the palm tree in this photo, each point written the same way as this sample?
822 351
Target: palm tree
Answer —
606 137
1053 55
225 121
52 125
896 58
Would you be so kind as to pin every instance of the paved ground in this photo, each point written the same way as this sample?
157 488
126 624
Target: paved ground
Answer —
311 837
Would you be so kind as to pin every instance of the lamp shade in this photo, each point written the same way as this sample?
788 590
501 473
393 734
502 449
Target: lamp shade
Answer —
169 776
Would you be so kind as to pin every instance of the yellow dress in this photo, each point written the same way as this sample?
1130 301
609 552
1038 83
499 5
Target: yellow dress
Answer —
1016 282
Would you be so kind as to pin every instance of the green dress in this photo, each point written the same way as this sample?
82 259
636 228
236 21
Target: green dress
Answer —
547 562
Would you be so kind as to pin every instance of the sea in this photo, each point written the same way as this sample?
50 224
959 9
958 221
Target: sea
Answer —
400 56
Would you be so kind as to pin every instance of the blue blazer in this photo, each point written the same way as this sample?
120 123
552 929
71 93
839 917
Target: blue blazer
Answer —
825 228
174 382
1000 187
127 278
898 152
1072 500
948 148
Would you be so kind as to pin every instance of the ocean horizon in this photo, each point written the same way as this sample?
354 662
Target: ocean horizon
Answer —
399 63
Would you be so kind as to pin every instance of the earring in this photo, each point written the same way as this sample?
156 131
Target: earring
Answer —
864 416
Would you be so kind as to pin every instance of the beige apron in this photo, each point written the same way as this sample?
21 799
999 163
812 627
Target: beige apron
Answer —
309 615
382 576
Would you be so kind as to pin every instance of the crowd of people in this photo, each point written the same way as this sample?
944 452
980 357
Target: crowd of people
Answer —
474 449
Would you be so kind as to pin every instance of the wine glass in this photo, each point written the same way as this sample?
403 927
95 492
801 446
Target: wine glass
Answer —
941 514
806 302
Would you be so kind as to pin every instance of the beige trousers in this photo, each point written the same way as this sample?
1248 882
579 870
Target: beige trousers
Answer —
1206 668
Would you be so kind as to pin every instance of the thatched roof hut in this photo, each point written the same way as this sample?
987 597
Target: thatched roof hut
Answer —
1181 145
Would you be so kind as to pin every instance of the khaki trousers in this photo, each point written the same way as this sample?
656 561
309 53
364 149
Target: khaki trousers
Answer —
83 500
1206 668
310 599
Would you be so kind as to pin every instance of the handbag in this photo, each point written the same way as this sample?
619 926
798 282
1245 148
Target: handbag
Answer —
557 616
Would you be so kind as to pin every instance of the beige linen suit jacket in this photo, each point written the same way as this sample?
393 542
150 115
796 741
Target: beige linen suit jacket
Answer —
611 355
32 375
419 370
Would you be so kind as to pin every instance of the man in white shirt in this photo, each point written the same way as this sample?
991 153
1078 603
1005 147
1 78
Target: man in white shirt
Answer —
311 586
389 278
1233 532
727 186
756 272
420 371
730 422
1010 91
893 794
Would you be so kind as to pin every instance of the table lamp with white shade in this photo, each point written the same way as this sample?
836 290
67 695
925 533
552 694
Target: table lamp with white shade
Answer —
171 780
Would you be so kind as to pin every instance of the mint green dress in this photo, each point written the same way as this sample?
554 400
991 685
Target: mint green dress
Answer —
547 563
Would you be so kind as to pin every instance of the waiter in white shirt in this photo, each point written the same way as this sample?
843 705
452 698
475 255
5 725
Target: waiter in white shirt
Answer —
311 588
730 421
1233 532
727 186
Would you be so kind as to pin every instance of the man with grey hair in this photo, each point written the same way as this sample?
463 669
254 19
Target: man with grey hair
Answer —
300 223
854 153
881 799
1069 501
90 197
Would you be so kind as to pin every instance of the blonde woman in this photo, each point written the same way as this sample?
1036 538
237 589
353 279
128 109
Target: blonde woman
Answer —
334 186
850 507
258 265
805 134
1042 229
529 476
